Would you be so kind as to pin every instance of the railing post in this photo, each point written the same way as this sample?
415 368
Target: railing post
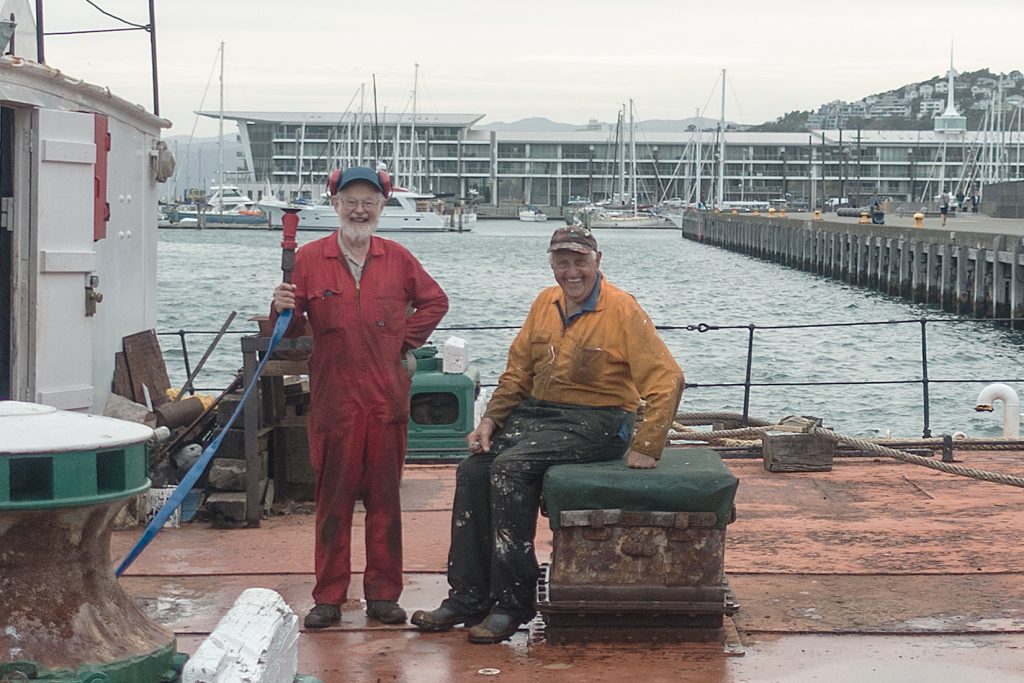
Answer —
184 355
927 431
746 380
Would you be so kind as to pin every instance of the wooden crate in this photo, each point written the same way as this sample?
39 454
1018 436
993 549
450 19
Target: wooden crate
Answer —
786 452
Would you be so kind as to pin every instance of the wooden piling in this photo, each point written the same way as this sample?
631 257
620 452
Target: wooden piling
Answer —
1017 284
958 272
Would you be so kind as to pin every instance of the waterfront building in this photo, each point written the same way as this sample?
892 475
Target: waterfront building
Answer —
450 155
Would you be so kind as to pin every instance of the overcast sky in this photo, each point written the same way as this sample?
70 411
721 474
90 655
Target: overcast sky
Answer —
569 61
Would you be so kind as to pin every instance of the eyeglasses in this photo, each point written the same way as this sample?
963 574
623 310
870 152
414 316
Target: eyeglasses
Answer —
366 204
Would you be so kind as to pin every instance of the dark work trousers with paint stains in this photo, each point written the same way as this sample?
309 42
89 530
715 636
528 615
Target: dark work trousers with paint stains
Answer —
492 562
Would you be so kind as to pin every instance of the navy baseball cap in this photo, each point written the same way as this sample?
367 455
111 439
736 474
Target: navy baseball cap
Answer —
361 173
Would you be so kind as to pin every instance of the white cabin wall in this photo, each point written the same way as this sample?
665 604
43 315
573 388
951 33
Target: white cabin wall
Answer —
128 255
125 259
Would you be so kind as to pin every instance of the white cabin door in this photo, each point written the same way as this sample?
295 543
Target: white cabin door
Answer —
64 154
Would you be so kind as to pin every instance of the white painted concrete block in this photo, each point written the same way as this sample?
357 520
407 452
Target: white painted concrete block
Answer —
257 641
455 355
479 406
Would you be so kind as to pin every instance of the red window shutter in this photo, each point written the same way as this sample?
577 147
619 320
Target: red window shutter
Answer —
101 207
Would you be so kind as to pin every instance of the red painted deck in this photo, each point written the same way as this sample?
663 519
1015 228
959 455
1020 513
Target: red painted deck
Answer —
875 571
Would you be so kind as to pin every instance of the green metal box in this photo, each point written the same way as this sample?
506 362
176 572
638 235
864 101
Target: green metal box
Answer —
441 409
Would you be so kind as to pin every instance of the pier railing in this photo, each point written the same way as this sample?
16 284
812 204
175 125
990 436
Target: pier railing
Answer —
747 385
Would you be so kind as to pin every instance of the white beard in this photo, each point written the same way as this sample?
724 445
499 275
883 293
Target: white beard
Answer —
357 233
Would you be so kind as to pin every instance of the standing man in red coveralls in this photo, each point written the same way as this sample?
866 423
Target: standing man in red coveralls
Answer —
358 290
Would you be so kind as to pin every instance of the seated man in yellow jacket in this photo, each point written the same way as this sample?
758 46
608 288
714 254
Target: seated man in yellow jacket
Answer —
585 357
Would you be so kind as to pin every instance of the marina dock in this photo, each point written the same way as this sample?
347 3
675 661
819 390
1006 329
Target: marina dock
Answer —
973 266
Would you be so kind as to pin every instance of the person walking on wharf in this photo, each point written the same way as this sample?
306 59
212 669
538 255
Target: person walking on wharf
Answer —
582 361
369 301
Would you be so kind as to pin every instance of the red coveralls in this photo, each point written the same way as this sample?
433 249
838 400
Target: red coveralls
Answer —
359 409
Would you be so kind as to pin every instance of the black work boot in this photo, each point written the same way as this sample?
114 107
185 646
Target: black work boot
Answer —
444 618
322 616
385 611
495 628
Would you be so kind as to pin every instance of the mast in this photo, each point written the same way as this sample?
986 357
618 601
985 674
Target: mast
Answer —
622 155
413 174
359 125
220 133
699 162
720 194
632 160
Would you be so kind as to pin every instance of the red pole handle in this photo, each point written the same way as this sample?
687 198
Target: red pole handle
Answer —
290 226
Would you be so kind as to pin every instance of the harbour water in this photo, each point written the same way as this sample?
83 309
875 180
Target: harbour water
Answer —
492 274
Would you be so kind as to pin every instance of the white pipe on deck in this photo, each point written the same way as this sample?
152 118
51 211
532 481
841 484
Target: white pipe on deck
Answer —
1011 406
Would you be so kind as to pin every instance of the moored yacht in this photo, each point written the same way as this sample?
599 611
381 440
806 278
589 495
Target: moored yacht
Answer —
405 211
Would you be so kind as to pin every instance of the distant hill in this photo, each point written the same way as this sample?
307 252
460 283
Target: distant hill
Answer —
973 93
533 124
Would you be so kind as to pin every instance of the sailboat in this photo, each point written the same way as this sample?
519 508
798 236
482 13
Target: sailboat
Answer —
224 206
630 216
406 210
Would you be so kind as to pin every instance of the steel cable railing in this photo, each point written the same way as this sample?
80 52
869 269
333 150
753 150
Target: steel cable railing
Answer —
748 384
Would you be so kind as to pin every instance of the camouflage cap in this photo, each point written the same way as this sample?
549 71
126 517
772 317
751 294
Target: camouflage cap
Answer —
575 238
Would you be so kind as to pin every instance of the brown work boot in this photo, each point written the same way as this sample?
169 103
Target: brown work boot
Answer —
385 611
322 616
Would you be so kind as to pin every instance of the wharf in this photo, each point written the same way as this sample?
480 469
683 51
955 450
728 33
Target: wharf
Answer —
876 571
974 265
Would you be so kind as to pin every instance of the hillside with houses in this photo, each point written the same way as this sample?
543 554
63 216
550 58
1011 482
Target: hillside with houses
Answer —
978 95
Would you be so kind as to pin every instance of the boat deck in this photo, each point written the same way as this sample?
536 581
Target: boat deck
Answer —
876 571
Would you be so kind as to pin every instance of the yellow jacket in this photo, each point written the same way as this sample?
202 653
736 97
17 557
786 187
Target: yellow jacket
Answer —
610 357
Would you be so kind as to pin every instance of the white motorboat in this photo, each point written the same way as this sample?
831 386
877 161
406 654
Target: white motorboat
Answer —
229 198
405 211
532 215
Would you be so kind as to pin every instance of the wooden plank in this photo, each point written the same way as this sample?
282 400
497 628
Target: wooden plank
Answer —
285 367
146 367
122 382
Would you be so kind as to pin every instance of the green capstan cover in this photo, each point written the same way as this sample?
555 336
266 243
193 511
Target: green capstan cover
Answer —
685 480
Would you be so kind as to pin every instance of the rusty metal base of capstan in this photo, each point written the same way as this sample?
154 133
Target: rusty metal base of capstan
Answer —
62 609
604 620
